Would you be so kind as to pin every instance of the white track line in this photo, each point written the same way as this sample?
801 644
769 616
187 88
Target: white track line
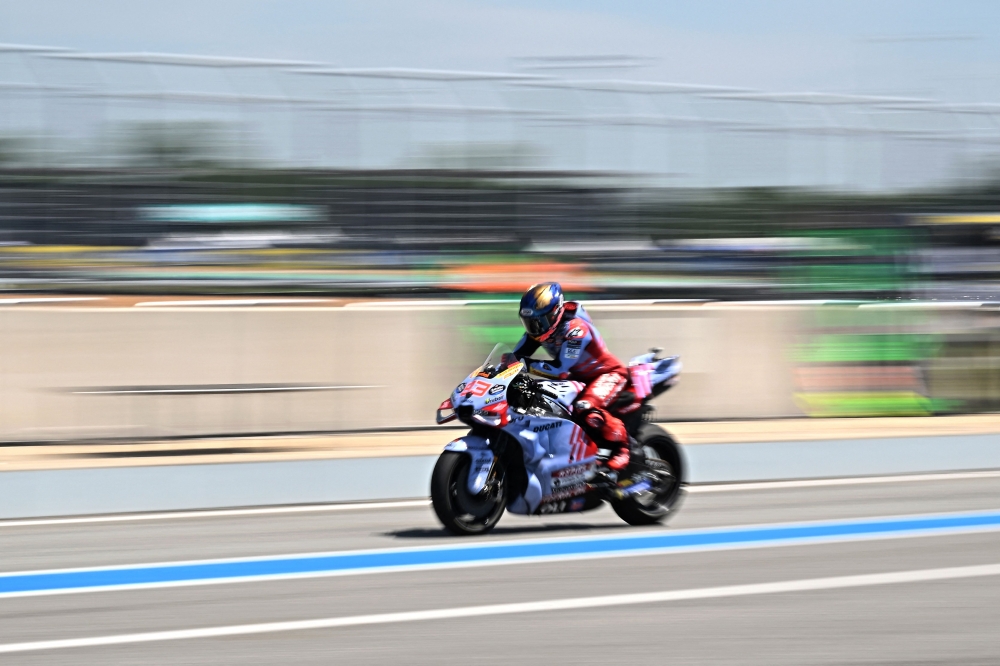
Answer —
228 302
848 481
19 301
408 504
803 585
216 513
407 305
224 390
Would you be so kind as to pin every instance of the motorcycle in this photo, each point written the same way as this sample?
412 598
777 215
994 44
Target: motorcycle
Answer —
525 454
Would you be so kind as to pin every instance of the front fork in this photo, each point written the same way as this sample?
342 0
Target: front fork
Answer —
484 466
495 476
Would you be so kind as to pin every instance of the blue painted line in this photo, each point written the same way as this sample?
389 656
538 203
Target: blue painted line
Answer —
324 564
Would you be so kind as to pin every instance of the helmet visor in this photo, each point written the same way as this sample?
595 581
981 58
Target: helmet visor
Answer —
540 324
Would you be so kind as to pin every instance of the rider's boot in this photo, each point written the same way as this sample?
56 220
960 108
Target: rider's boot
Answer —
628 453
611 440
620 458
612 467
614 457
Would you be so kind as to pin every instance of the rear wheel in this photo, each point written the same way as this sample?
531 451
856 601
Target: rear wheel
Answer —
663 468
461 512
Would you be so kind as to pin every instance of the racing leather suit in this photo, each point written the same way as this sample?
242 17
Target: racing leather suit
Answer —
579 354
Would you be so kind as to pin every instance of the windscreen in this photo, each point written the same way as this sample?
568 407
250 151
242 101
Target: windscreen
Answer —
500 359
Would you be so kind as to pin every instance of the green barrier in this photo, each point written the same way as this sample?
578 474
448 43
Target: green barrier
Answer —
868 348
870 403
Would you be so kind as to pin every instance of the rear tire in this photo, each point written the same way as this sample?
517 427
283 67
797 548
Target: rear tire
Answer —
664 466
461 512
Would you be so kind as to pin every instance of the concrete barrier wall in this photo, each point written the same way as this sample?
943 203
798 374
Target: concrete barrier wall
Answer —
68 492
71 373
737 361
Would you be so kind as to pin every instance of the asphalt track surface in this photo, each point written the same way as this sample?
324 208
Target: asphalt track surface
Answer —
868 596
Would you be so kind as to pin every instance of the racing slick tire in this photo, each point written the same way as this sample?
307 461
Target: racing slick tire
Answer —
664 468
461 512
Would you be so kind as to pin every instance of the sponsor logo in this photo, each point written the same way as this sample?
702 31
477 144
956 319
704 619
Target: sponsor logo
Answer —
546 370
637 487
575 333
574 344
572 353
572 476
608 381
606 386
552 507
494 418
573 470
576 505
547 426
567 492
496 388
511 371
527 312
460 388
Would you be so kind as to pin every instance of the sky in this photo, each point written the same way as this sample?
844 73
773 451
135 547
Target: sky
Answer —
916 47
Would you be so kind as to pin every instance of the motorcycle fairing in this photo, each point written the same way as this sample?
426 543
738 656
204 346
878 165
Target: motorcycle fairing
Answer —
564 392
479 391
558 458
485 394
650 375
481 459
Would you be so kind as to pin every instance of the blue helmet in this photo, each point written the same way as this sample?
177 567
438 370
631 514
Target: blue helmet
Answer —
541 309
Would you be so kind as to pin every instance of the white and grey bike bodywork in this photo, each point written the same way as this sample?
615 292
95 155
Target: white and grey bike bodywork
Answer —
525 454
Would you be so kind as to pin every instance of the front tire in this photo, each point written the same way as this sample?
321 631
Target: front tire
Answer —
461 512
664 467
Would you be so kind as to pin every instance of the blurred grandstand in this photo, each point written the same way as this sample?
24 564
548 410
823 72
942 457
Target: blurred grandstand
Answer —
181 173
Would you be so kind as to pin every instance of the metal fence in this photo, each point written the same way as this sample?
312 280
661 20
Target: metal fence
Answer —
60 107
417 210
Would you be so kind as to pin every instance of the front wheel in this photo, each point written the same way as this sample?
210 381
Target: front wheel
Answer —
664 469
461 512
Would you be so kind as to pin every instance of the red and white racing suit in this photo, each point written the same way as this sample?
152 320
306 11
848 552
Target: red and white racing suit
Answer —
579 354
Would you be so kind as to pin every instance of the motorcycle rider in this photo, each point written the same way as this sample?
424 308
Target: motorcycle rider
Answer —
567 333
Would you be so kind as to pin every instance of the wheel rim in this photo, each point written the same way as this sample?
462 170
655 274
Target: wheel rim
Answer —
662 476
475 512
